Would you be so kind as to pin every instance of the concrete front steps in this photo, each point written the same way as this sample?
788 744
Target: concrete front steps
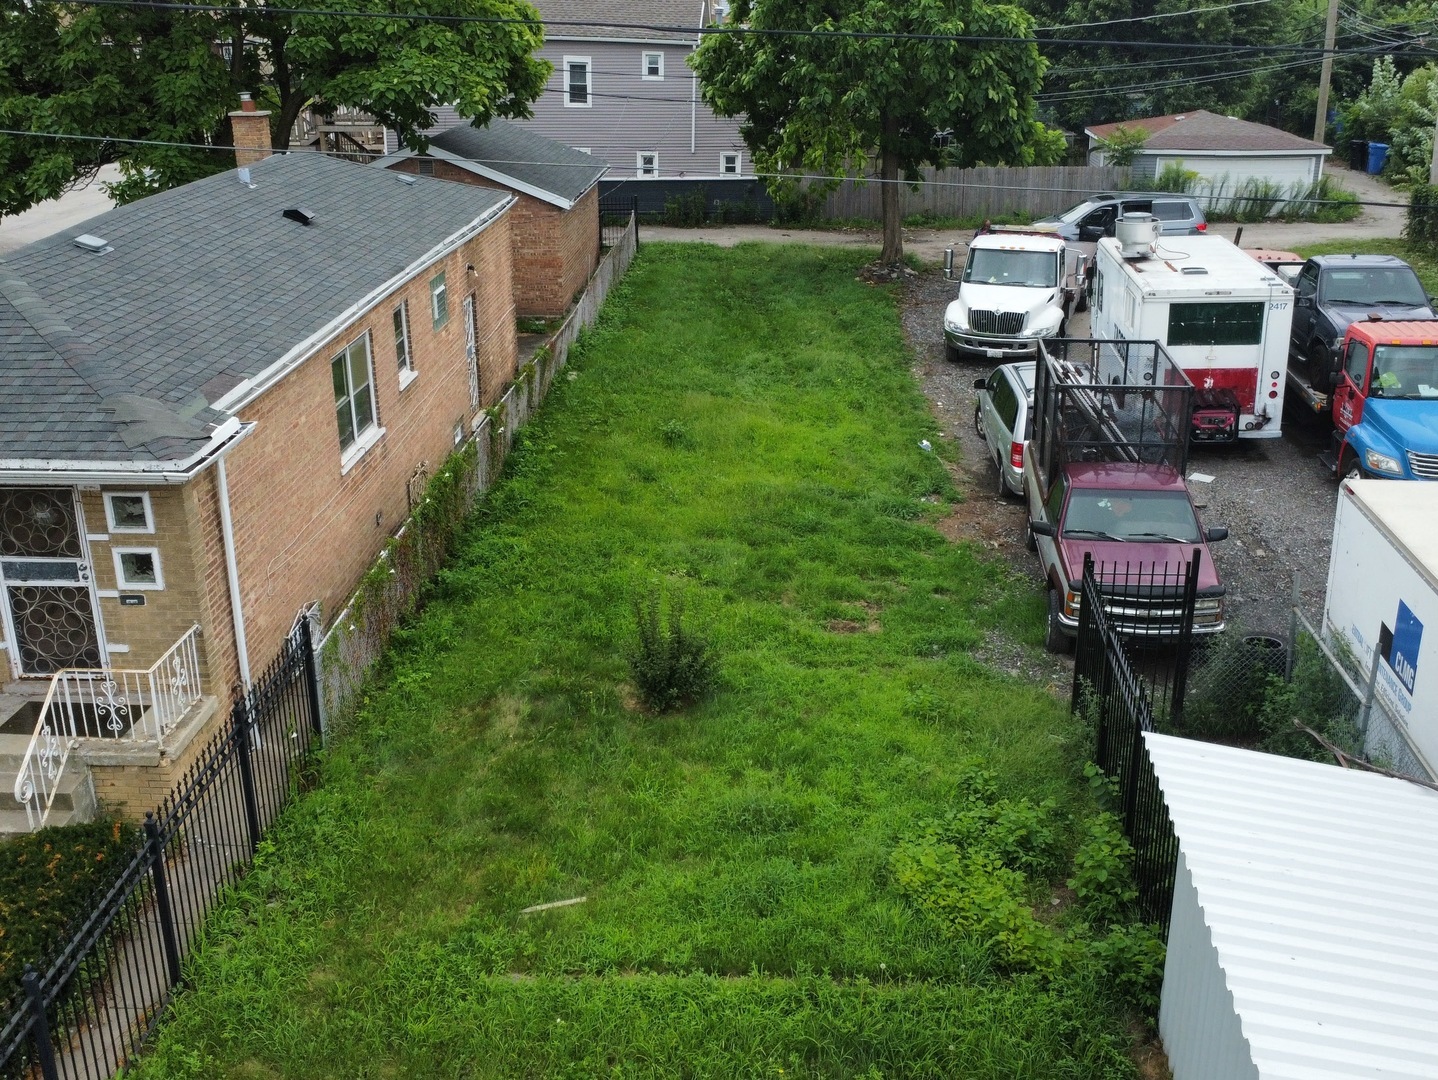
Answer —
74 802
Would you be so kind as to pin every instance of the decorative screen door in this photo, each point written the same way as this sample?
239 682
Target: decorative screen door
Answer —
49 601
471 351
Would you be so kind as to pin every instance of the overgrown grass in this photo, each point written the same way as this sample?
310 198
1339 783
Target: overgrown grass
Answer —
1422 261
741 916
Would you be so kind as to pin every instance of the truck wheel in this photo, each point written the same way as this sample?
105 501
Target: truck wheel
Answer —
1348 467
1056 641
1030 540
951 353
1081 304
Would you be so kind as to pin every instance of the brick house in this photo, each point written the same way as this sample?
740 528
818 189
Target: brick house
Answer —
216 404
554 223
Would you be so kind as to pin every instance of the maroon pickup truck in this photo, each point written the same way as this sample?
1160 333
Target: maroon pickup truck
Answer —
1103 477
1123 514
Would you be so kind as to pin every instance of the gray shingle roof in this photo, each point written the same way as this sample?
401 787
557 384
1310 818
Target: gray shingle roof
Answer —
616 19
117 357
1200 129
526 156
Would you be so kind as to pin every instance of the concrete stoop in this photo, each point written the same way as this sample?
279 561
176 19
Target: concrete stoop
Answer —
74 800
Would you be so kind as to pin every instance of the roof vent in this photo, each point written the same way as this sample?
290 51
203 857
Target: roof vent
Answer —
92 243
1194 270
404 178
300 214
244 175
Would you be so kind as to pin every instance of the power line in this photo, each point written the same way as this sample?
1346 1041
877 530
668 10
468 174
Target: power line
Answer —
697 32
747 176
1159 15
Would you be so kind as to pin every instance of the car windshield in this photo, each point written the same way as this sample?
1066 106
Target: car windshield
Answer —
1162 516
1405 371
1374 285
1072 216
989 267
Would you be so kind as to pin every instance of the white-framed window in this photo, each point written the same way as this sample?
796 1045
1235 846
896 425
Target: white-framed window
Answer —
403 349
354 394
652 66
646 163
137 568
129 512
578 92
438 301
730 164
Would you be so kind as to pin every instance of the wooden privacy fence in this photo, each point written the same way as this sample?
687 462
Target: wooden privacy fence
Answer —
987 192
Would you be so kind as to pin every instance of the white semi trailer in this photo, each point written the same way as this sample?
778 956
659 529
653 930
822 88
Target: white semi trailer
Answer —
1383 598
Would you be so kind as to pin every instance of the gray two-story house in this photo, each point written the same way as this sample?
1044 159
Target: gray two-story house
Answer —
622 91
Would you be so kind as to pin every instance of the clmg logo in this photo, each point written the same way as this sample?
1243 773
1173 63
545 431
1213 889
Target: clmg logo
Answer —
1401 645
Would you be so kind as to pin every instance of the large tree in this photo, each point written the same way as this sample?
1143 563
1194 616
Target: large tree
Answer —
160 74
823 103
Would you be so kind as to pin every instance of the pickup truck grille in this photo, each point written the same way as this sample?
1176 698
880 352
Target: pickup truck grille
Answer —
1141 618
1006 323
1424 466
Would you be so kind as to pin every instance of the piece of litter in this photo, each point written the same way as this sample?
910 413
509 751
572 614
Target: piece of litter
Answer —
1201 478
553 904
924 445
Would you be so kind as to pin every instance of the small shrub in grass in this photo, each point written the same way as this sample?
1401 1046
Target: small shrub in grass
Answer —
672 664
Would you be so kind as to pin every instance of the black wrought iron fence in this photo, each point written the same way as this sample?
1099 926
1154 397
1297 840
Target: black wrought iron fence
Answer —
1116 697
86 1012
617 215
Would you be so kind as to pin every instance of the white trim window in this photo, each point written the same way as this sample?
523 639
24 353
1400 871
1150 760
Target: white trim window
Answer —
138 568
354 394
129 512
438 300
646 163
578 82
651 66
731 163
403 347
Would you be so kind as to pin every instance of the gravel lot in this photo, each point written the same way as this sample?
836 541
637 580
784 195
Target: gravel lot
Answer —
1274 496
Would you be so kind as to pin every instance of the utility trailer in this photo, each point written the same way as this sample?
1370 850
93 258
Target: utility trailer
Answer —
1104 477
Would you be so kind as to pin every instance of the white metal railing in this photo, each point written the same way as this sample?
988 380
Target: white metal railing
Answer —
133 706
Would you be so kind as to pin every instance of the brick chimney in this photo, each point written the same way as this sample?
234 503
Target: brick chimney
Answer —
250 131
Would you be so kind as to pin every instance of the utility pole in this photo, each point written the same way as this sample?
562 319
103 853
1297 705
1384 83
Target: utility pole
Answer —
1330 31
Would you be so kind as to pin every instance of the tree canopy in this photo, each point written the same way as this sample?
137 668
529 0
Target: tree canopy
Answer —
132 73
824 104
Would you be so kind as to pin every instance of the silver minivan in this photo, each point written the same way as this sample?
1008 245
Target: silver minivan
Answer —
1001 417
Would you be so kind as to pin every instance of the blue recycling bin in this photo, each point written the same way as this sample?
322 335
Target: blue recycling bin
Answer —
1377 157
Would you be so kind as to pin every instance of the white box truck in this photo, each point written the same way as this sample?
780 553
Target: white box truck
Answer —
1222 316
1383 595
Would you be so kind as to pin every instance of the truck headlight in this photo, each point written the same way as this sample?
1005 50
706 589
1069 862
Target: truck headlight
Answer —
1208 611
955 322
1072 600
1048 329
1372 459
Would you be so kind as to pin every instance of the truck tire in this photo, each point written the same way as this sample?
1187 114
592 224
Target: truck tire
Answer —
951 353
1081 304
1320 365
1055 640
1348 466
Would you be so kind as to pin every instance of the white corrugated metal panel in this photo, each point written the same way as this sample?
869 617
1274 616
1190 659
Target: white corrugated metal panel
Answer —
1319 889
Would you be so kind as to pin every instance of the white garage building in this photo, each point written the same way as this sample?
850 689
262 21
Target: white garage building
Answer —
1221 149
1304 937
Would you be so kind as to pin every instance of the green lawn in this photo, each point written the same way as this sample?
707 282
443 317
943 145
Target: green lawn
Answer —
743 430
1422 261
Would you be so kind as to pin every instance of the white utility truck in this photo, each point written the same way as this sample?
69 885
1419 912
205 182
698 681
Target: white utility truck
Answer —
1383 596
1221 315
1019 285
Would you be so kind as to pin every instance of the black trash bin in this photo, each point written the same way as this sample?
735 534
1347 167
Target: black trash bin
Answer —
1358 155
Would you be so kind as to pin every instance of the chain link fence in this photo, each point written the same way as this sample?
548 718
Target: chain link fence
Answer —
1302 694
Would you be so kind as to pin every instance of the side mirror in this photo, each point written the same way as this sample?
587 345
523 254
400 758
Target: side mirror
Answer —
1433 302
1042 528
1216 533
1304 301
981 384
